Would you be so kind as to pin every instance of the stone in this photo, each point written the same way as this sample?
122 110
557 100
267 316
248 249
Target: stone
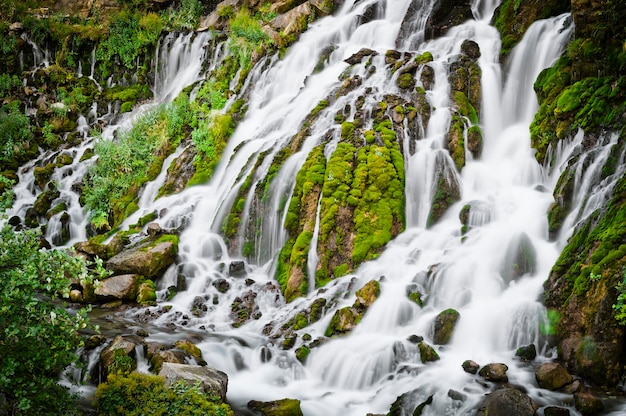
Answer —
221 285
237 268
358 57
117 287
470 366
117 348
16 27
527 352
213 382
148 259
366 295
471 49
457 395
494 372
294 21
146 294
552 376
427 353
444 326
284 407
588 404
555 411
520 258
507 402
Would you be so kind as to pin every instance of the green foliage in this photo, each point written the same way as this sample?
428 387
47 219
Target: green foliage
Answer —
129 36
184 17
38 337
136 156
7 196
620 305
138 393
8 84
246 38
16 133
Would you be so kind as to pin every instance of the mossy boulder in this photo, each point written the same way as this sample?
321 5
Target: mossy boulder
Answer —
427 353
494 372
149 259
117 287
118 356
346 319
520 258
552 376
588 404
526 352
213 382
443 326
507 402
284 407
146 293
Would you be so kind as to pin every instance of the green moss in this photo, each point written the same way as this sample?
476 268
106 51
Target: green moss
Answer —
406 81
465 107
302 353
424 58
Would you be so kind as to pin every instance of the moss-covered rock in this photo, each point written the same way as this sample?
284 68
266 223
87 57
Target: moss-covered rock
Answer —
149 259
447 190
284 407
444 326
512 18
427 353
552 376
346 319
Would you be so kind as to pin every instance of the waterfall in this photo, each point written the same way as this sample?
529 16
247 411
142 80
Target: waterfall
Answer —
468 267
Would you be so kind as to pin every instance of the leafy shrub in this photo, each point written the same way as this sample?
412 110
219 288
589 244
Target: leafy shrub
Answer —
184 17
140 394
16 131
38 338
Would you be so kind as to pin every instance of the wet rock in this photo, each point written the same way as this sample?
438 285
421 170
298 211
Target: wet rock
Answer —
191 349
588 404
507 402
179 172
427 353
237 269
345 319
495 372
118 355
447 14
30 218
284 407
94 341
415 339
552 376
358 57
213 382
457 395
148 259
420 408
471 49
520 258
221 285
555 411
302 353
44 201
447 189
244 308
146 293
470 366
527 353
293 22
117 287
444 326
15 221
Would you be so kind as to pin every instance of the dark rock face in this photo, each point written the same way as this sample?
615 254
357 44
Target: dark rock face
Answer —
527 352
507 402
446 14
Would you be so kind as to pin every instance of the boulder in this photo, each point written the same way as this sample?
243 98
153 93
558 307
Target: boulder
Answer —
237 268
444 326
507 402
117 287
119 355
520 258
294 21
470 366
494 372
447 190
358 57
427 353
148 259
447 14
213 382
588 404
552 376
366 295
284 407
527 352
555 411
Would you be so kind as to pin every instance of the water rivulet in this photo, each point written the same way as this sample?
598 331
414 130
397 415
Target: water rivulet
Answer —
377 218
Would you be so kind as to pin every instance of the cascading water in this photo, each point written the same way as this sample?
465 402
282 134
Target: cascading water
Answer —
506 191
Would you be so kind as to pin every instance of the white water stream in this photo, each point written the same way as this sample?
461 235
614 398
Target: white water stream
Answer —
509 193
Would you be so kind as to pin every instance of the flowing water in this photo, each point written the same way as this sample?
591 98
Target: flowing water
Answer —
507 191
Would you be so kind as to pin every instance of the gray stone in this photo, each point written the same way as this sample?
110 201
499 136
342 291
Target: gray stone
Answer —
552 376
213 382
494 372
507 402
117 287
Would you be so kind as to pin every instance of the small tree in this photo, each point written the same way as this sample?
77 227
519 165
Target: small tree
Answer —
38 337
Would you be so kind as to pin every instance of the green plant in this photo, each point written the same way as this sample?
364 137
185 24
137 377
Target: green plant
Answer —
7 196
38 337
136 393
620 305
184 17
